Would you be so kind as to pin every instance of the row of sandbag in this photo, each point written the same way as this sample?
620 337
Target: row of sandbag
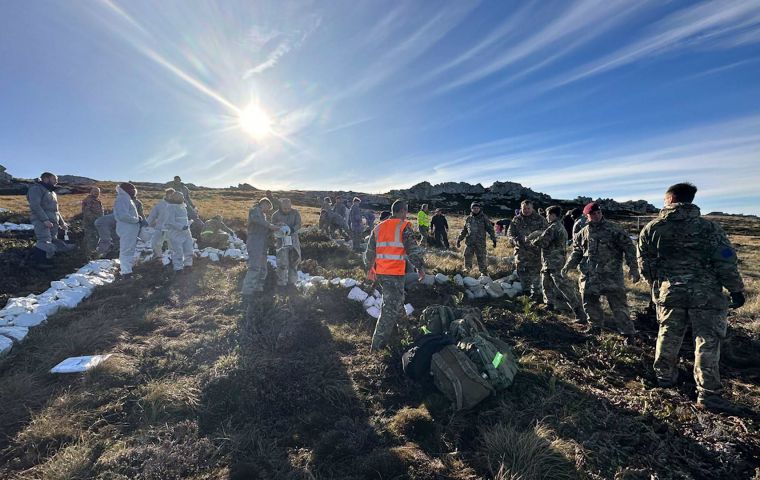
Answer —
22 313
459 356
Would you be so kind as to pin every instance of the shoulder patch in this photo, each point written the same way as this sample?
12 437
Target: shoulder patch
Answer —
727 252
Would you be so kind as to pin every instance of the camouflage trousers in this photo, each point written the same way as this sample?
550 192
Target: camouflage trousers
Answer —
708 328
618 302
255 276
559 290
479 251
287 262
91 238
528 268
391 313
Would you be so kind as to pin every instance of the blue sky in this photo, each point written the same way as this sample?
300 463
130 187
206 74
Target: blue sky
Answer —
594 98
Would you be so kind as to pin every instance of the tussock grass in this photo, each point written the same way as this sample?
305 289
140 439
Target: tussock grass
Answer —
72 462
166 398
533 454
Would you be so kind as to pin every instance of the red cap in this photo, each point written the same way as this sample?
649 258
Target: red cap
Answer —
591 207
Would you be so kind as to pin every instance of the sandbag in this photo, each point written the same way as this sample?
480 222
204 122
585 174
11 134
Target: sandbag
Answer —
436 318
457 377
493 357
416 360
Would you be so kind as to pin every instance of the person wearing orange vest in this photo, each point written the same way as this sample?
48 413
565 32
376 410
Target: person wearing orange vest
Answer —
391 244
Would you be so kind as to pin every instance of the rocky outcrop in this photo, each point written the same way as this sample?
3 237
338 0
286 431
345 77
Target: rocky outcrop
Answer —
426 191
75 180
5 178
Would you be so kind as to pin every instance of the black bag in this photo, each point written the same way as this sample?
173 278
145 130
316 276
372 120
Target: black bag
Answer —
416 360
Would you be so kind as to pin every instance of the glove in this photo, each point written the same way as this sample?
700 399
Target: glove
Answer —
494 244
185 227
635 277
737 299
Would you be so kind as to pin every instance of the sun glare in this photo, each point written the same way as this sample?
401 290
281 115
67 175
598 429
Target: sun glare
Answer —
255 122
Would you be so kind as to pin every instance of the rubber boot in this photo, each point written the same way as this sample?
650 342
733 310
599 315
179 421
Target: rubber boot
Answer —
39 259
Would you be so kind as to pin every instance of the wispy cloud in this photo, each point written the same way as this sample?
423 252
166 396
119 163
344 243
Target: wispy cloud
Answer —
170 153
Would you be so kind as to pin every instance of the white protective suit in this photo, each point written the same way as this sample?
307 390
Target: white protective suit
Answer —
127 228
159 232
174 220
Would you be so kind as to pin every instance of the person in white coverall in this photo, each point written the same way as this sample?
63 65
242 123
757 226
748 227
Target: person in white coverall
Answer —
128 224
159 232
174 219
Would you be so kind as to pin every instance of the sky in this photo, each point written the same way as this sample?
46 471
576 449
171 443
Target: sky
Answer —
597 98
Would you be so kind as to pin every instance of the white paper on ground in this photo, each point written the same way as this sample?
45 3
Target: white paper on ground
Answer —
79 364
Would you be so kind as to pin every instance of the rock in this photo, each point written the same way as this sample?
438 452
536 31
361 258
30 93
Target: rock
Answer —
494 290
357 294
470 282
75 180
458 280
29 319
5 178
6 344
17 334
441 279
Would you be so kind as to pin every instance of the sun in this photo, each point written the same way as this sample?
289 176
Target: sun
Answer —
254 121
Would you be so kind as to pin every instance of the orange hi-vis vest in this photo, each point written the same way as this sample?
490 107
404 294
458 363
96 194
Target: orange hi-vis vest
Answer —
390 255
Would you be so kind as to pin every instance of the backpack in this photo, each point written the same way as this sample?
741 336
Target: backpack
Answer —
468 326
416 360
436 319
457 377
493 359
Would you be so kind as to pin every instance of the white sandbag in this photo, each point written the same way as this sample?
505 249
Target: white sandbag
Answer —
511 292
166 260
6 344
59 285
17 334
494 290
335 281
348 283
429 280
204 254
373 312
441 279
409 308
79 364
458 280
71 298
517 286
369 302
48 309
2 228
233 253
13 311
213 256
485 280
317 279
512 277
29 319
357 294
470 282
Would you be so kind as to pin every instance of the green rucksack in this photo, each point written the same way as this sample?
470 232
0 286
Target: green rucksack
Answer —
436 319
467 326
493 358
457 377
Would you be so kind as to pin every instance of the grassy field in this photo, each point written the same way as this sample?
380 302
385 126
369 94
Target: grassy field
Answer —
193 392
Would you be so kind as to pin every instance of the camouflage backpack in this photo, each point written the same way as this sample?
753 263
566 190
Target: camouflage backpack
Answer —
436 319
493 357
467 326
457 377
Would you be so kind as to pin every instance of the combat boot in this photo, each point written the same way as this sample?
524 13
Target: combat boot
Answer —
39 259
717 404
580 316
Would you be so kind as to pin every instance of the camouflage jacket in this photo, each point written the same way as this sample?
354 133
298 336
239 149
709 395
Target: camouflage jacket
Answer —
414 253
553 243
43 203
291 219
92 209
598 252
476 227
522 226
687 259
258 232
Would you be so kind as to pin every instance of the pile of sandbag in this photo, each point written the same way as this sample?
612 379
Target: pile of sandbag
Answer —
459 356
22 313
15 227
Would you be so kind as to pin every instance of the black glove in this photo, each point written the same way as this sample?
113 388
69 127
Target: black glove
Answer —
737 299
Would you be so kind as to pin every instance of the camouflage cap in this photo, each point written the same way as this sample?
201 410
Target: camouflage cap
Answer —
476 204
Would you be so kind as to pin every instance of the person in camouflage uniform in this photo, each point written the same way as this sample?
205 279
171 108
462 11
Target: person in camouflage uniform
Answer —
288 256
553 243
598 252
259 231
527 255
47 220
476 227
392 285
92 209
215 233
688 260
